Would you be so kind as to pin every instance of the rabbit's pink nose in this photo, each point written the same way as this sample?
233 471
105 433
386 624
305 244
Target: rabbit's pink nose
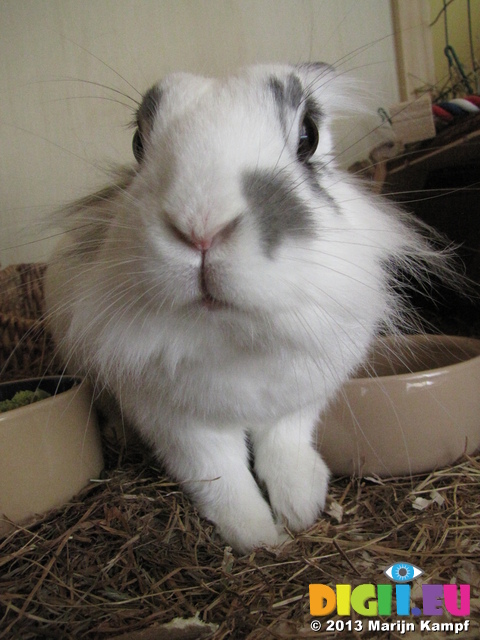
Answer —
204 241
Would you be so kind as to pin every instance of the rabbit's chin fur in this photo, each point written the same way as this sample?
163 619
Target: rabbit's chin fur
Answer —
225 288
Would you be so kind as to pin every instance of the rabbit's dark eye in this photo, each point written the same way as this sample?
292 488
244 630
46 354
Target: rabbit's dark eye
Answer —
137 146
308 140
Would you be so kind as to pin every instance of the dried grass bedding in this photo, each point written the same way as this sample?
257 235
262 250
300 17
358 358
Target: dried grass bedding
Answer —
129 553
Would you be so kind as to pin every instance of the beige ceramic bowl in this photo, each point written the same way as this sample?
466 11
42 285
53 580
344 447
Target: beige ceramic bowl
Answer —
49 450
420 412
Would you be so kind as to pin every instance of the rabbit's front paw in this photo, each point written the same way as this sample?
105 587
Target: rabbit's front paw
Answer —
297 487
246 529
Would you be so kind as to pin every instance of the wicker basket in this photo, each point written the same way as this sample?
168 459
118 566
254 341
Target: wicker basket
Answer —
26 350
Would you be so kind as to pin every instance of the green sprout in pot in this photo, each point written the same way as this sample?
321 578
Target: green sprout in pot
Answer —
22 399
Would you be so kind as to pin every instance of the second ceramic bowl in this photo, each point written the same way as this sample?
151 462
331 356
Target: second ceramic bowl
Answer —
414 408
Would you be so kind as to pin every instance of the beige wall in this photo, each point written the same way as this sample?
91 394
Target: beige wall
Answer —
457 21
57 133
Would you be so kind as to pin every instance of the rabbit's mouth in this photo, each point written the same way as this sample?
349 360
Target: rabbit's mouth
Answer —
210 303
206 284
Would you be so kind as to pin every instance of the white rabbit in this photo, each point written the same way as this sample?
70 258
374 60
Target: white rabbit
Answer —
225 287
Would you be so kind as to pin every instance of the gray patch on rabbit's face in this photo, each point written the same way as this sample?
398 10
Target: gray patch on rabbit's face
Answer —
287 95
278 210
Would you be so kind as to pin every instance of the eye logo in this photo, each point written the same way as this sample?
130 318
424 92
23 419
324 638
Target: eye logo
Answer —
372 600
402 572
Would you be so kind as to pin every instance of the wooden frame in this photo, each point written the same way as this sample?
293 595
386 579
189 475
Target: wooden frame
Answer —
414 47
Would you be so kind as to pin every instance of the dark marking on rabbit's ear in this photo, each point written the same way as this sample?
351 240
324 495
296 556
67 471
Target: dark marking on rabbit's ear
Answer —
144 120
279 212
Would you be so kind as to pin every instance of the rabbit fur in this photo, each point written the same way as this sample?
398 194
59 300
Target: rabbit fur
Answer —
224 287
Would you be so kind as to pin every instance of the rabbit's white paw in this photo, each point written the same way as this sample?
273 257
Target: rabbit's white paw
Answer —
297 487
246 527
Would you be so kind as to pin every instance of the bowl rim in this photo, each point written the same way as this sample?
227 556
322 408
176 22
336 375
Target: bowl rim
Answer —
422 373
73 383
